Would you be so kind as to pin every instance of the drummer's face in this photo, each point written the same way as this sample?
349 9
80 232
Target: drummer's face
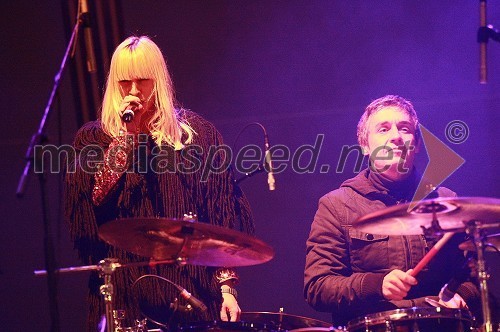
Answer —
391 142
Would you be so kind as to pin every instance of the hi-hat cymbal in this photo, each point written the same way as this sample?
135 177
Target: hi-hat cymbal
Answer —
281 321
452 213
491 242
186 242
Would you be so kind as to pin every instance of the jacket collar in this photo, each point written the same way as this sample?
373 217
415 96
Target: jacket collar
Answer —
370 184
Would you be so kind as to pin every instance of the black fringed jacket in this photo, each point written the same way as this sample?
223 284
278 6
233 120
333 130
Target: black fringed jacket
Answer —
215 199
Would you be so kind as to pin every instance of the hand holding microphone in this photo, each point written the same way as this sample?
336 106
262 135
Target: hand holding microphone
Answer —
130 109
129 113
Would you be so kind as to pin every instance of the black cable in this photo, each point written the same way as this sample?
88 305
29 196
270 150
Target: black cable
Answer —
261 167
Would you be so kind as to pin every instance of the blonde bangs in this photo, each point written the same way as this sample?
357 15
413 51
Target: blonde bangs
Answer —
133 64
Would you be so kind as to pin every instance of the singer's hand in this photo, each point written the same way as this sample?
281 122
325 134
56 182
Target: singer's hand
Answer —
125 104
456 302
230 310
397 284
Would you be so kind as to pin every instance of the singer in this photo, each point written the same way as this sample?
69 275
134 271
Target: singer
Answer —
351 273
140 84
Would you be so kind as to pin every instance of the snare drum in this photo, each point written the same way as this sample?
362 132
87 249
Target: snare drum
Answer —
414 319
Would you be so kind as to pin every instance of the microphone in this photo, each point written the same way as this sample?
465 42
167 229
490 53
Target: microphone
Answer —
87 32
129 113
449 290
270 176
193 301
179 307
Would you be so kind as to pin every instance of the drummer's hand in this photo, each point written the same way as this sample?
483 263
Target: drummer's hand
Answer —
397 284
456 302
230 310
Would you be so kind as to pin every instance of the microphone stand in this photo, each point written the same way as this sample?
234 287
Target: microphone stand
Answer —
35 155
484 33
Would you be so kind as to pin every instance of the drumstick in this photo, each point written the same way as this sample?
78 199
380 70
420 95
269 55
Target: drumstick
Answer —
430 255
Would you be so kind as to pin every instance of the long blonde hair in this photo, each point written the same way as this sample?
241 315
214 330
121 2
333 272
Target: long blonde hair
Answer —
140 58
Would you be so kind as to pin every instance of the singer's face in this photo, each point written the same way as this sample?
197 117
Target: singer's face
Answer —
391 142
142 88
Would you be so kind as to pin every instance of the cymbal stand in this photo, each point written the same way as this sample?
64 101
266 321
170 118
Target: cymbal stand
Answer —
435 230
181 259
475 229
106 268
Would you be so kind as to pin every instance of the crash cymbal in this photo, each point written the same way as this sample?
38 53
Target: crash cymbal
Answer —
453 213
282 321
186 242
491 242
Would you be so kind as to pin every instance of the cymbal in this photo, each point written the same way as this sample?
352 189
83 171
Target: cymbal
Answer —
491 242
453 213
185 242
282 321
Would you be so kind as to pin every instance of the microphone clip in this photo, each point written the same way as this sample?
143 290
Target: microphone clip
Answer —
484 33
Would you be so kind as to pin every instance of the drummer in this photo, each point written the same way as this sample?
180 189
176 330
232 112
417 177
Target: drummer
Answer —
350 273
161 163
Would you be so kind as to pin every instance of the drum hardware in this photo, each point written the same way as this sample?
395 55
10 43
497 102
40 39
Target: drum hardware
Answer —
475 228
440 216
414 319
119 316
491 244
283 322
106 268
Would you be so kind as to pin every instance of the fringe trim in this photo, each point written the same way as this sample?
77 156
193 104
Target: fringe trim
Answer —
217 201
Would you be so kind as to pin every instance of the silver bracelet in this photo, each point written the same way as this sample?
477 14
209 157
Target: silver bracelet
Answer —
229 290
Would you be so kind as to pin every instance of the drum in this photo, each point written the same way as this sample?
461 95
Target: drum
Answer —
219 326
318 329
413 320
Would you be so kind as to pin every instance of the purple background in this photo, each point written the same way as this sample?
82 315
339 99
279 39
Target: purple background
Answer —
301 68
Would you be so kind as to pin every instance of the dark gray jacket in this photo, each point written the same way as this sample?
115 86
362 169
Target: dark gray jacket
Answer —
345 267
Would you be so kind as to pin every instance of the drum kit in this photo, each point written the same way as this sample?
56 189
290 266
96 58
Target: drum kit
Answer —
167 241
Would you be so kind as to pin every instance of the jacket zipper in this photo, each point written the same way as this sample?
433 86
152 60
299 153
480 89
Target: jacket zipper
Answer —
408 254
426 247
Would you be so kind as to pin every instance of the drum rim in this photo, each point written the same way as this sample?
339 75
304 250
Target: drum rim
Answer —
246 325
411 314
